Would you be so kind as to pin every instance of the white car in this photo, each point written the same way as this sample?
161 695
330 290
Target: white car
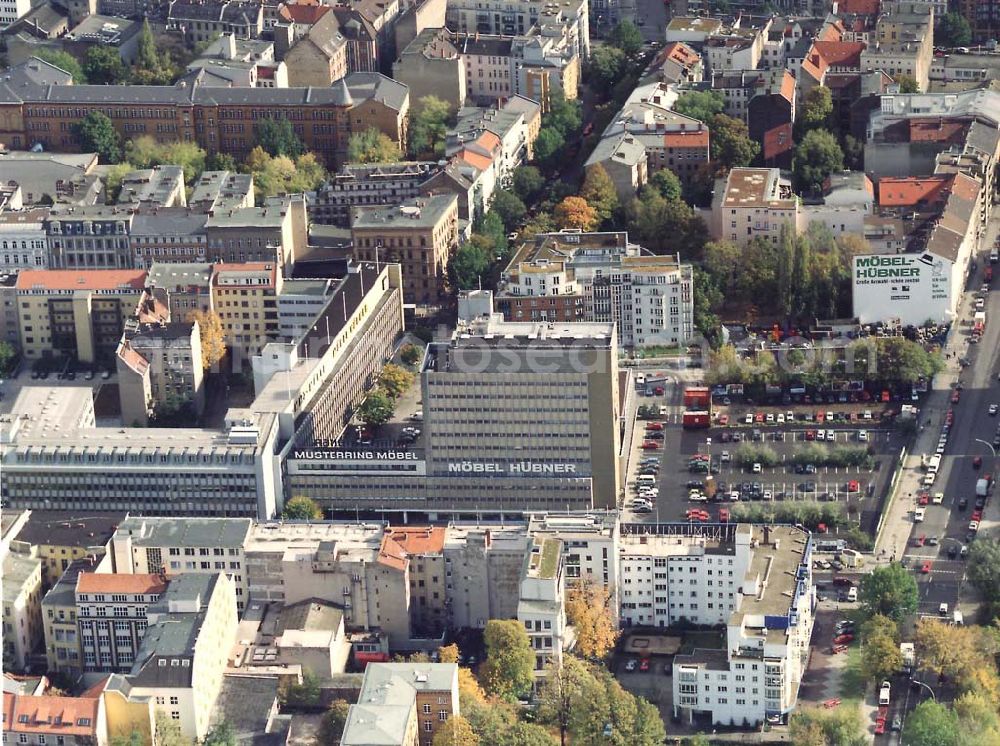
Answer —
757 468
863 436
631 664
831 436
781 418
768 495
918 515
697 497
770 418
866 415
994 409
749 418
417 416
821 435
938 498
943 609
726 457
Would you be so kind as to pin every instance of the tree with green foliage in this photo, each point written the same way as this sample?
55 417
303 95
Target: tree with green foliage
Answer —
372 146
560 692
277 137
983 568
495 232
564 116
167 731
604 68
667 183
931 724
626 37
509 207
394 380
528 183
599 192
95 133
145 152
841 726
907 84
429 127
103 66
410 354
605 713
8 356
64 61
218 161
470 263
455 731
817 156
302 508
301 696
815 112
331 727
665 226
731 145
953 30
889 590
510 661
700 105
132 739
151 67
221 734
377 408
282 175
549 146
147 56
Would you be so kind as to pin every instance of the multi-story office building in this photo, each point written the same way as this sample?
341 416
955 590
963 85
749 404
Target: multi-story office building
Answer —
22 609
420 234
111 617
59 539
307 389
300 304
517 416
184 651
768 600
220 119
78 313
160 371
94 237
359 184
23 242
600 277
245 298
63 653
175 546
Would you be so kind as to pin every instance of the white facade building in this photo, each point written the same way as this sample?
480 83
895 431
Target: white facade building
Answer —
23 243
11 10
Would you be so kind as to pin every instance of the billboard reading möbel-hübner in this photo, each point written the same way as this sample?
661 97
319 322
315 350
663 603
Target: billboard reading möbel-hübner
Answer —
910 287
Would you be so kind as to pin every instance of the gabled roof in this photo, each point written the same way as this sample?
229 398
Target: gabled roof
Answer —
840 53
419 540
687 139
912 191
81 279
142 583
304 14
860 7
59 716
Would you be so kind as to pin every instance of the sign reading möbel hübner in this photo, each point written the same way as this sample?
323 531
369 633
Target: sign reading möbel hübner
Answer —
910 287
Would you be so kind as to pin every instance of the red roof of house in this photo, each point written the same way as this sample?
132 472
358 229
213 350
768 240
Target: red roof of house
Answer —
81 279
59 716
689 139
861 7
305 14
938 130
831 32
840 53
778 140
391 554
422 540
680 53
105 582
912 190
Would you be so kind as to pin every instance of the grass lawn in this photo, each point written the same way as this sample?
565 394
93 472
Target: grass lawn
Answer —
710 639
852 682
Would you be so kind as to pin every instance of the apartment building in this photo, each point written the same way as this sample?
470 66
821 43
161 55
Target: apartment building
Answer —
207 21
757 676
983 16
93 237
11 10
221 190
63 653
420 235
402 703
182 658
78 313
751 203
61 176
599 277
540 605
319 57
471 462
159 186
175 546
904 41
245 298
167 235
430 65
517 18
424 548
23 241
515 124
187 287
160 370
358 184
111 617
58 538
241 63
22 610
220 119
765 100
277 231
44 718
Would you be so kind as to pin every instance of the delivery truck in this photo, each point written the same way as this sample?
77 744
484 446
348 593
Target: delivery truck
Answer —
697 398
693 420
983 487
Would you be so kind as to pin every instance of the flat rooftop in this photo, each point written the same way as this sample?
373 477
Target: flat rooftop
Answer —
775 563
757 187
693 23
185 532
500 333
423 212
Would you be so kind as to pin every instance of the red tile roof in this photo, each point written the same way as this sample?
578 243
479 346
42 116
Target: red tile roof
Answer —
680 53
938 130
304 14
690 139
778 140
93 582
911 191
424 540
860 7
391 554
81 279
840 53
59 716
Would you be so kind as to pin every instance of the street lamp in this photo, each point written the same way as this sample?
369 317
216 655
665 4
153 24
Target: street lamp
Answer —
988 445
927 687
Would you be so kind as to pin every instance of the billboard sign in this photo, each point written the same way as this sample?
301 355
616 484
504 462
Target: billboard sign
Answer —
910 287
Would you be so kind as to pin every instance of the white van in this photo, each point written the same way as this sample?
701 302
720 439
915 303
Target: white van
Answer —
884 694
645 480
852 593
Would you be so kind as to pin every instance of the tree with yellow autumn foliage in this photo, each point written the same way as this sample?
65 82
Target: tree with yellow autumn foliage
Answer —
575 212
588 609
213 338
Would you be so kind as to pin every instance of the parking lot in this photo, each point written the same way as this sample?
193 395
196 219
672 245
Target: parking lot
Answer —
788 435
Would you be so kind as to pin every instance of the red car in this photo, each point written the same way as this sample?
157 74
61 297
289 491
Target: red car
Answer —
977 515
919 540
924 498
654 425
925 568
759 417
820 416
880 727
977 462
650 445
724 420
644 664
853 486
843 639
810 435
955 396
